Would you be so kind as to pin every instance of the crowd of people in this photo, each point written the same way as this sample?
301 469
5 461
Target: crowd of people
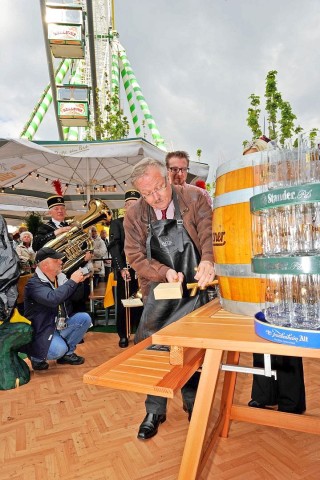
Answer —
165 235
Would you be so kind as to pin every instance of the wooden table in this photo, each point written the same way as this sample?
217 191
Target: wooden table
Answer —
218 331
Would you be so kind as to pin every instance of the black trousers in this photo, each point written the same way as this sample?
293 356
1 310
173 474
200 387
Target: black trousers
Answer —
158 405
81 304
135 312
288 391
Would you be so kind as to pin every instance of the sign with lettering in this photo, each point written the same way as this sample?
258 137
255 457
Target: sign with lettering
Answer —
64 32
288 336
218 239
285 265
72 109
285 196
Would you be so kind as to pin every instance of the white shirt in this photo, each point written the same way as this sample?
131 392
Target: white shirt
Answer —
169 212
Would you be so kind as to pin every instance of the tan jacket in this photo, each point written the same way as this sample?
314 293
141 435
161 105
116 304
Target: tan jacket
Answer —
25 254
197 220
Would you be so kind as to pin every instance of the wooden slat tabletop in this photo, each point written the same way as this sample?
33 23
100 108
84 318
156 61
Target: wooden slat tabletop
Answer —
210 327
141 370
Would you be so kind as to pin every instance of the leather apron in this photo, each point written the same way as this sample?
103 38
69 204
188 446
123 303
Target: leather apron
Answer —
169 243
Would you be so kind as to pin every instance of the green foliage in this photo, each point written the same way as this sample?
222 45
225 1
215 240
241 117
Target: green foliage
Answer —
297 130
211 188
33 222
253 115
116 125
286 122
273 100
280 117
312 136
199 152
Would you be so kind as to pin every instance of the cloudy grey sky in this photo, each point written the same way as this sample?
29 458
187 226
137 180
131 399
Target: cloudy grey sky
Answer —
197 63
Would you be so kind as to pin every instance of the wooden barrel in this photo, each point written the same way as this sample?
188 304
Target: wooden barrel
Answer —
241 290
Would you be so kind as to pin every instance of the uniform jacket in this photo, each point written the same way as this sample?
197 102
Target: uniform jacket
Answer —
116 245
44 234
41 302
197 220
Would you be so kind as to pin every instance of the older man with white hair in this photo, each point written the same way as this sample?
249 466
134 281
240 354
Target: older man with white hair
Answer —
168 238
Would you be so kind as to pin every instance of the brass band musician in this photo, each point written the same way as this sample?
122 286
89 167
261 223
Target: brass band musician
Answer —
126 276
55 226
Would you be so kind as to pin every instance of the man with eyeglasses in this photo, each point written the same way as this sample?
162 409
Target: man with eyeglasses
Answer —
177 164
168 238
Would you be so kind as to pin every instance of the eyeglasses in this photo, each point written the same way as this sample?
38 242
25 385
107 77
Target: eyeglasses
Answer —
177 169
156 190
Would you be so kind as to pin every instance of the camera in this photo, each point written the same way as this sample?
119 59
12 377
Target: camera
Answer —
84 270
61 323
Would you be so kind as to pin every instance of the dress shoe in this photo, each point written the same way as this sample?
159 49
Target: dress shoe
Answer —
39 365
188 411
123 342
255 404
72 359
297 411
150 424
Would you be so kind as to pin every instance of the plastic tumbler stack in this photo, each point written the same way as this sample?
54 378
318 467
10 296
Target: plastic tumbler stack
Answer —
286 237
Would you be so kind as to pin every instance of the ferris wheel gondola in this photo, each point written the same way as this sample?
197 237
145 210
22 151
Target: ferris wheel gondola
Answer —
86 58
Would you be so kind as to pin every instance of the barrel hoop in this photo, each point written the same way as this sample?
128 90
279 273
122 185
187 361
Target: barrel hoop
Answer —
242 308
296 265
246 161
234 197
235 270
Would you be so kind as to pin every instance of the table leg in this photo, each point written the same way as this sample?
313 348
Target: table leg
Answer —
228 391
200 415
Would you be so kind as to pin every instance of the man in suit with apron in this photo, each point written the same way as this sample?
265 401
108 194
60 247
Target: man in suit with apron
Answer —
168 238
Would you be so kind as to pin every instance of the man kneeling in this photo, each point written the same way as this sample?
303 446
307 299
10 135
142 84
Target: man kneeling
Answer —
48 305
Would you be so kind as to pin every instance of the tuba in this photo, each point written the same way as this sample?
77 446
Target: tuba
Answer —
76 242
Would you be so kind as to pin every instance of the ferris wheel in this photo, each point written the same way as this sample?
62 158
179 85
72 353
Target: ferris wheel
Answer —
87 66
